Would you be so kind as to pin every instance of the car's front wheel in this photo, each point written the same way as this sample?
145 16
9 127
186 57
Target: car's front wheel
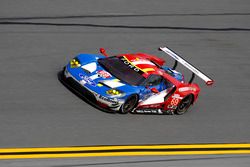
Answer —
184 105
129 104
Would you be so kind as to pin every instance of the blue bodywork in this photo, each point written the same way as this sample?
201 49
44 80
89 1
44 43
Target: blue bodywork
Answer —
96 85
92 79
174 73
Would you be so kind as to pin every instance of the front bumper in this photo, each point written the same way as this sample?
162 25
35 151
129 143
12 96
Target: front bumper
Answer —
101 102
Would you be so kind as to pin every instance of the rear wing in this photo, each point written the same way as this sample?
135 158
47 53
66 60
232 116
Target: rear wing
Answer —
194 70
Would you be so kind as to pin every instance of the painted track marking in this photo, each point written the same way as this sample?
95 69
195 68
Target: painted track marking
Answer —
124 150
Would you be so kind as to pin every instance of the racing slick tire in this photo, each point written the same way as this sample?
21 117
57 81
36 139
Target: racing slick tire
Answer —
184 105
129 104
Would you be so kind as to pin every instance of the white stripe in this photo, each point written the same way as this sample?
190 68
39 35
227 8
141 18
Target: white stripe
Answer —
112 84
142 62
155 98
91 67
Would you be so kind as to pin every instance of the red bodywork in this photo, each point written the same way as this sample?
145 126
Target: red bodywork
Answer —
181 89
171 98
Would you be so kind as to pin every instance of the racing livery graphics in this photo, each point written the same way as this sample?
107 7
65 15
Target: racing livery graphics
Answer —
136 83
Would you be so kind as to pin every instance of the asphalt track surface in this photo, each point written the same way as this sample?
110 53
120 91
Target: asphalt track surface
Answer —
37 38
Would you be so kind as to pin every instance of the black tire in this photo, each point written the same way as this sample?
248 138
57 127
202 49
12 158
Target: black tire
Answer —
129 104
184 105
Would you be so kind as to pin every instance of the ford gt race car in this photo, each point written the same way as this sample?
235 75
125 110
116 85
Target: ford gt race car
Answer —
135 83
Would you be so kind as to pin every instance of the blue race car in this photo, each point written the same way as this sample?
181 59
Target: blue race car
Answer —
128 83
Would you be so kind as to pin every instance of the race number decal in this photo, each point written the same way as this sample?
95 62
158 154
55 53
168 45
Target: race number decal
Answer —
174 102
103 74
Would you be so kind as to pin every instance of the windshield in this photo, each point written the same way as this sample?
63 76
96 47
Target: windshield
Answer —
122 69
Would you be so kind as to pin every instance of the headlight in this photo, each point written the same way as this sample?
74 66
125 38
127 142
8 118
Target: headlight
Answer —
114 92
74 63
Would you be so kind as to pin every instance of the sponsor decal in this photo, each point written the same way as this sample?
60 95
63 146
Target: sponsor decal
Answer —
87 80
187 89
177 96
112 101
154 111
172 106
190 67
103 74
168 51
148 111
152 106
126 62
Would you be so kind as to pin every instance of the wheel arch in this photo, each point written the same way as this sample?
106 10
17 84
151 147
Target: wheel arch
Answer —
128 97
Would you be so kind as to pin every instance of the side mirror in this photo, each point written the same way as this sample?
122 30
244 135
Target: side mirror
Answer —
154 90
103 51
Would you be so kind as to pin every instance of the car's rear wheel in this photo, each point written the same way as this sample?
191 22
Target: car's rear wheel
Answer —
184 105
129 104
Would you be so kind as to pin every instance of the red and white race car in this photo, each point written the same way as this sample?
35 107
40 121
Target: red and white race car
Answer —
180 96
136 83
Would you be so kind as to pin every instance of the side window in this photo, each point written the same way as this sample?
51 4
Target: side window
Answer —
153 80
167 84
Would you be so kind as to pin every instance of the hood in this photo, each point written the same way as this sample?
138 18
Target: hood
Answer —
93 76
